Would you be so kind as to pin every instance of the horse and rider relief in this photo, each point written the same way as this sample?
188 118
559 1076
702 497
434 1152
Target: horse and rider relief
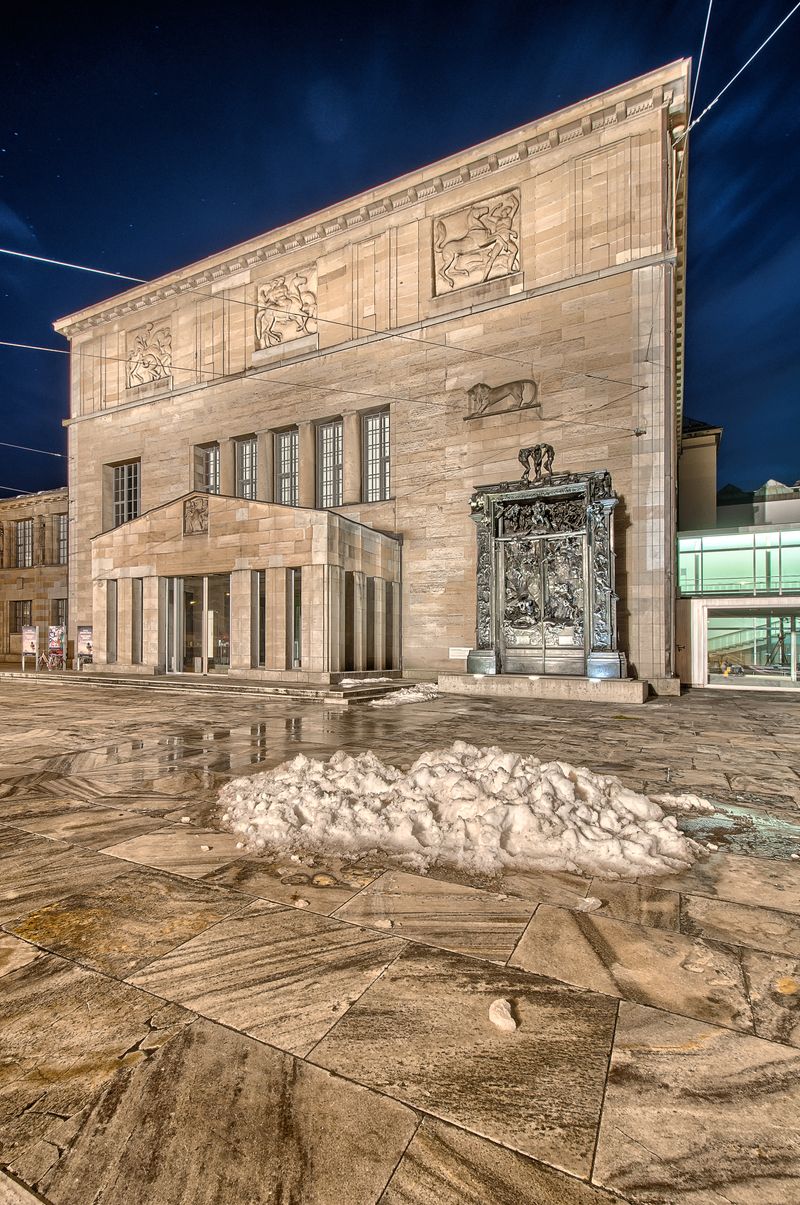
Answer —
477 244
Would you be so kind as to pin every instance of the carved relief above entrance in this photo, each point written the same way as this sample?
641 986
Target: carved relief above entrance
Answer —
150 355
287 308
195 515
477 243
545 590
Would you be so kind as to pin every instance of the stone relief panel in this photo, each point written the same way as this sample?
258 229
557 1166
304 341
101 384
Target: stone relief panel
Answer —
195 515
287 308
483 400
150 357
477 243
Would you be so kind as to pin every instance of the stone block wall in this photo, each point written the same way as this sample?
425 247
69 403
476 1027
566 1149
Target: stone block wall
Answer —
41 583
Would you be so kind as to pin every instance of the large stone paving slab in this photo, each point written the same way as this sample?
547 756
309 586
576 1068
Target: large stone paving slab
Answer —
457 918
215 1118
741 925
698 1115
90 827
324 885
766 882
66 1034
422 1034
448 1166
649 966
35 871
277 974
181 849
121 926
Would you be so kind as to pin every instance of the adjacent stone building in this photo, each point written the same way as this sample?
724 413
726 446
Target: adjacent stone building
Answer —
34 552
272 451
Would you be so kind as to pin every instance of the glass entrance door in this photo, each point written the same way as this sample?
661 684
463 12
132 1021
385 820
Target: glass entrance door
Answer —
197 624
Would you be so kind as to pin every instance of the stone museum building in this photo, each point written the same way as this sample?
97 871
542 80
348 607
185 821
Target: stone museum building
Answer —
432 428
34 552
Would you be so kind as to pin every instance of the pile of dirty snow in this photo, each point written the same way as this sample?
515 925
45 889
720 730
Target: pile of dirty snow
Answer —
420 693
479 809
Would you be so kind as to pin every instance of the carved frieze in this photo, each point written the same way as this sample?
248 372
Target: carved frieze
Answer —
195 515
150 356
484 400
287 308
477 243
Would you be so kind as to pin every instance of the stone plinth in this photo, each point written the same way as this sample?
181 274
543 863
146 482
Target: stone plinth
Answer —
569 689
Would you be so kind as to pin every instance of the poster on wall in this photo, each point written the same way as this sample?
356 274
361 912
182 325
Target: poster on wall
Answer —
56 639
84 644
30 642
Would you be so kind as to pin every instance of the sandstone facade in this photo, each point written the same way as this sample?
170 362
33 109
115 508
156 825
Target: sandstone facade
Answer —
526 290
33 566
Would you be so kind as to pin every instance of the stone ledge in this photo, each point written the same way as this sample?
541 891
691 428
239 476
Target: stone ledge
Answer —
519 686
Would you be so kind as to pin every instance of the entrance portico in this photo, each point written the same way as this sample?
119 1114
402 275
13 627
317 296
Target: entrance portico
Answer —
212 584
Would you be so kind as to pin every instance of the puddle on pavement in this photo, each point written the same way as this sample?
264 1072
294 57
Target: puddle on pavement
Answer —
741 831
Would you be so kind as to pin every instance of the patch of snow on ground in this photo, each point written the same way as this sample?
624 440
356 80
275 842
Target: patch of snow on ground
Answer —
684 805
479 809
420 693
362 681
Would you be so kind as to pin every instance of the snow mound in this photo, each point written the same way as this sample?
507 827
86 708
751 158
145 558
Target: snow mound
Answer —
420 693
478 809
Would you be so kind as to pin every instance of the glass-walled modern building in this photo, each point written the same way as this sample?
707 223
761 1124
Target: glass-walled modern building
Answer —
738 615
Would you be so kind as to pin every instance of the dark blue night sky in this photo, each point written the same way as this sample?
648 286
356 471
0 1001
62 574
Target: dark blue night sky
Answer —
140 140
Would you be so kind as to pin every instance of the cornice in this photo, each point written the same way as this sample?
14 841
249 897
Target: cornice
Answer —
545 135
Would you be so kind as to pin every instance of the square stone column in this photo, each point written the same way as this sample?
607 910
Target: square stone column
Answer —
359 620
378 650
124 624
307 463
393 606
277 608
151 623
315 619
265 467
99 603
241 627
351 468
336 614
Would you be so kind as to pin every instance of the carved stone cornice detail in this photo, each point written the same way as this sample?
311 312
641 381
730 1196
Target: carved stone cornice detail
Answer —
535 144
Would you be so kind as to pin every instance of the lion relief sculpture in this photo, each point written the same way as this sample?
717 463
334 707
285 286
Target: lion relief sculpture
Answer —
514 395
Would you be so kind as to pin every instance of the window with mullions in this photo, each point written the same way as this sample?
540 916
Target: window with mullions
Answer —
58 612
209 469
126 492
246 456
376 456
286 468
329 464
24 543
19 616
61 538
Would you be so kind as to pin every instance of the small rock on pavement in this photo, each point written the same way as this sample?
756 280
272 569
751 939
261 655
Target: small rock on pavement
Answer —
590 904
205 848
298 903
500 1016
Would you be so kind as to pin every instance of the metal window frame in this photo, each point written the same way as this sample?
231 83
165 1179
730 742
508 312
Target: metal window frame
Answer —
126 487
19 618
58 611
287 467
211 468
24 540
330 463
246 467
61 541
376 461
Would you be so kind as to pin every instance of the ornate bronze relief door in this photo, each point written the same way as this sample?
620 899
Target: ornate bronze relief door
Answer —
545 599
541 601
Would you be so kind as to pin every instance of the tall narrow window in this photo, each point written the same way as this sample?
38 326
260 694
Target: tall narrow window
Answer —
329 464
111 620
20 614
24 543
58 612
286 468
258 630
137 620
207 468
61 538
246 455
126 492
294 626
376 456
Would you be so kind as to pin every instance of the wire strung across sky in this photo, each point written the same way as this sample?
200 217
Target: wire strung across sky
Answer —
351 326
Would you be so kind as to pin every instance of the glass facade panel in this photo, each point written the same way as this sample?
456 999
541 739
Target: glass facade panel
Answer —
329 464
376 457
246 457
753 648
24 543
286 468
126 492
766 562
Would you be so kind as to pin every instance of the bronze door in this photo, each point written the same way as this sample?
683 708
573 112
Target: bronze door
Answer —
540 604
